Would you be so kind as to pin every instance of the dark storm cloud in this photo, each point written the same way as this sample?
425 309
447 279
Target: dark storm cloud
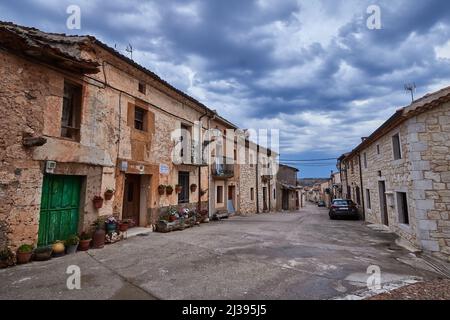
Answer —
311 69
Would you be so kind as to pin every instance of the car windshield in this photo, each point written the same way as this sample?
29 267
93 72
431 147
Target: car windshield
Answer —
341 203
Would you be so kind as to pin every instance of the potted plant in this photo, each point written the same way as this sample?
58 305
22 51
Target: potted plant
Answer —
169 190
161 189
72 244
6 258
85 242
99 233
24 253
98 202
111 224
109 193
204 216
43 253
124 225
178 188
193 187
59 249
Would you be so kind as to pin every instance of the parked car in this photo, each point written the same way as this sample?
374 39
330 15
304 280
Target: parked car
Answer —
322 204
343 208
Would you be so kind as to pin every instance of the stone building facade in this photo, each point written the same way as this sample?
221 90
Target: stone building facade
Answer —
78 119
405 167
288 191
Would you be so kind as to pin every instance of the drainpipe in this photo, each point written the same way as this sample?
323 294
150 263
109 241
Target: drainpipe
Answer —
257 173
199 205
362 188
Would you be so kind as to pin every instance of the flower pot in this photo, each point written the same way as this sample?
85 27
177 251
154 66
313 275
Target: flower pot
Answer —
123 227
99 239
72 249
84 245
109 195
161 190
169 191
23 257
110 227
98 203
193 187
178 189
43 254
172 219
58 249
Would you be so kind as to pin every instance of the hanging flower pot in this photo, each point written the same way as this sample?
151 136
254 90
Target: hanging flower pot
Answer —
178 188
193 187
109 194
161 189
169 190
98 202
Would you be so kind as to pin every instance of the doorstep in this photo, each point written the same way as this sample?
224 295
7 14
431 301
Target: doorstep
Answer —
139 231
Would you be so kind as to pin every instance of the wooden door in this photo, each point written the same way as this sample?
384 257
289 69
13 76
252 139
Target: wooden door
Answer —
383 202
132 198
265 207
60 205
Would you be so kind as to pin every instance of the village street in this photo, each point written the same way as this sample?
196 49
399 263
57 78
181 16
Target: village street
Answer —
301 255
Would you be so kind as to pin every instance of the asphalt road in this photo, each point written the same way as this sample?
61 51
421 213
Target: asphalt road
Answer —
301 255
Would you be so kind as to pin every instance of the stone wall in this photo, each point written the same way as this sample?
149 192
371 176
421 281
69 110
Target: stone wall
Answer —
422 173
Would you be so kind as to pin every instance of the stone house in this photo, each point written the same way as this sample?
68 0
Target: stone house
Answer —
404 178
287 191
82 119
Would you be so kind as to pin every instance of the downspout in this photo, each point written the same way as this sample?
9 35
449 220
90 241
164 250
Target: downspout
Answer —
257 173
362 188
199 205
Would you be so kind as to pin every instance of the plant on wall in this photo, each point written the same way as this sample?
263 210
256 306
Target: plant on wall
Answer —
169 190
161 189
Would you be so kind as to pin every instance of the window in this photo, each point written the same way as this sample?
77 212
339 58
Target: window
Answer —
274 193
378 149
184 138
183 181
139 118
219 194
365 160
252 194
396 146
251 160
142 87
71 111
368 202
353 167
402 207
235 154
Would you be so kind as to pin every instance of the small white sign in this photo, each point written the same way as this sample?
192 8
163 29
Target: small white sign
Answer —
163 169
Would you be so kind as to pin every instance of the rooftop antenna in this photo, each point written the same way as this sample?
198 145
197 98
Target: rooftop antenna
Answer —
129 49
411 87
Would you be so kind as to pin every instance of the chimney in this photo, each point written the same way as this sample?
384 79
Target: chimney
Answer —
363 139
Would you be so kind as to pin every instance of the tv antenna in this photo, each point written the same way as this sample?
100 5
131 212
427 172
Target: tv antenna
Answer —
411 87
129 49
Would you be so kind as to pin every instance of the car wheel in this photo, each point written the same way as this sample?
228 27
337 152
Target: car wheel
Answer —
332 217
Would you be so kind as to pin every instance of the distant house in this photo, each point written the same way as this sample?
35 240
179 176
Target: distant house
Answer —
287 193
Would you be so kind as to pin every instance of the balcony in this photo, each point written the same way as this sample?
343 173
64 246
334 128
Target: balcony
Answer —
221 170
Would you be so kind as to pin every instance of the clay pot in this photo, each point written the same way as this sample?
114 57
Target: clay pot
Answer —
193 187
84 245
43 254
58 249
99 239
169 191
172 218
23 257
109 195
161 190
123 227
98 203
178 189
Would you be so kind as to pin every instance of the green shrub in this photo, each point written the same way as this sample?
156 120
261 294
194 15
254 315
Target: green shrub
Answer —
25 248
72 240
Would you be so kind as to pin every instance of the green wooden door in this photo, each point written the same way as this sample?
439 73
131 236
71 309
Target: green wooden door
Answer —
59 208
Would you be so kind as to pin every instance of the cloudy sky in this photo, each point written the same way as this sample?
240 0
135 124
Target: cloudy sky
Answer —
311 69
